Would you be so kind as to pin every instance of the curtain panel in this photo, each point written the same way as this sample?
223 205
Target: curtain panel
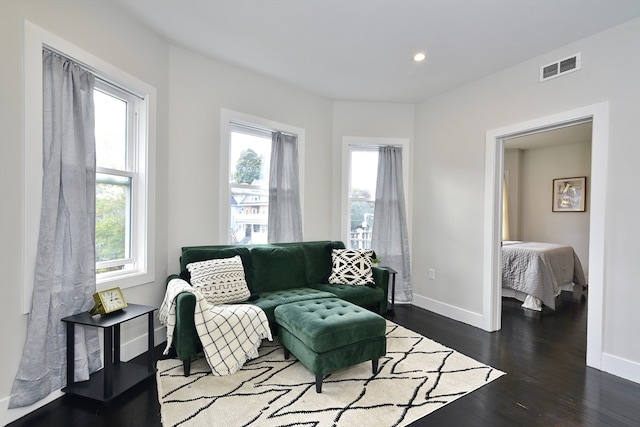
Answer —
505 210
285 215
64 278
390 237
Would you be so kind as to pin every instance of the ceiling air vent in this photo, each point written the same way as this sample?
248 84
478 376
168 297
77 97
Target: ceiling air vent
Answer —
559 68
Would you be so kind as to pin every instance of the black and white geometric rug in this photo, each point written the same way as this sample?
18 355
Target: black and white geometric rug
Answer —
417 376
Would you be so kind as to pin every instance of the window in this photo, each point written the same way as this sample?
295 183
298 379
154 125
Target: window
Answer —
116 121
250 150
245 155
359 179
363 171
124 196
125 178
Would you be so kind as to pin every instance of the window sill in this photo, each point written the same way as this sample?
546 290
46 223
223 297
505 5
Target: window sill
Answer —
124 281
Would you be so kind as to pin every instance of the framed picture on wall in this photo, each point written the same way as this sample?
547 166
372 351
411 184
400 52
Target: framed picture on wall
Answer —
569 194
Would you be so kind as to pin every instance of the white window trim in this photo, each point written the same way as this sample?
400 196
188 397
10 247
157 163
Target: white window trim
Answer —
226 118
136 147
371 142
35 39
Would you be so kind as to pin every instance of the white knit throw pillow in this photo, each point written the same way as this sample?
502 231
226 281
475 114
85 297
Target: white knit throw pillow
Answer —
220 281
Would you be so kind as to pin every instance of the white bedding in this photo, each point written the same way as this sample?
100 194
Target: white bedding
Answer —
539 270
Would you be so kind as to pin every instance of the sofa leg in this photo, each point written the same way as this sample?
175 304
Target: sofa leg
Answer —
186 365
374 363
318 383
286 353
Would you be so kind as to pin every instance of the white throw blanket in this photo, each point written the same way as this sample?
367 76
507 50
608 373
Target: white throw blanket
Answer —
230 334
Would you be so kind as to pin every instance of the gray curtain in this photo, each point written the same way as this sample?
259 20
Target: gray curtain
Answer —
390 238
65 277
285 216
505 210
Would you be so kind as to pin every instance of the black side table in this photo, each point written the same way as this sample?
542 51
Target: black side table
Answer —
392 273
115 377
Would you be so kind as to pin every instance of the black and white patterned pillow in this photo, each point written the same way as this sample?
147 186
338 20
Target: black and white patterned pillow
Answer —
351 267
220 281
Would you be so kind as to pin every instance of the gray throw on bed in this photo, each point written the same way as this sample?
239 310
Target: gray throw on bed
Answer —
540 269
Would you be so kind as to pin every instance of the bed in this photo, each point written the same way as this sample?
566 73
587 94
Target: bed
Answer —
536 272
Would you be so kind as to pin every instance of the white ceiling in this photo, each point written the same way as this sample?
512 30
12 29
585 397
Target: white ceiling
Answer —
362 49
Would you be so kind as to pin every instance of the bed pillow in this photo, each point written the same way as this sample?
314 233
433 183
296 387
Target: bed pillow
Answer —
351 267
220 281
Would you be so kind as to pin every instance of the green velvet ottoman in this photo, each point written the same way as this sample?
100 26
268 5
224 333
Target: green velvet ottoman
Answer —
329 334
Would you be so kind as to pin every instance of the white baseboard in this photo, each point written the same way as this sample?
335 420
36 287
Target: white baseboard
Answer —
10 415
128 351
450 311
627 369
137 346
611 364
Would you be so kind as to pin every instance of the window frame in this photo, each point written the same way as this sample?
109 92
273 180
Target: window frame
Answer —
351 149
35 40
264 188
129 172
227 120
370 143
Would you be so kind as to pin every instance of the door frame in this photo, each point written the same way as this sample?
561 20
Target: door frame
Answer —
598 114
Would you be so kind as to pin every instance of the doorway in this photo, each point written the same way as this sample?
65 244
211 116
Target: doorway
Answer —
531 162
598 114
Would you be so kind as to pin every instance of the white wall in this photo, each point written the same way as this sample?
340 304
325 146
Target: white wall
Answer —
447 154
367 119
200 88
131 48
450 148
538 223
192 90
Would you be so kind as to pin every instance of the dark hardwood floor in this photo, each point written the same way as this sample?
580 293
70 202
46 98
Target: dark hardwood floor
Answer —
543 354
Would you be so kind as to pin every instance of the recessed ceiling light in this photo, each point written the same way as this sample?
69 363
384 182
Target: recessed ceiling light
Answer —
419 57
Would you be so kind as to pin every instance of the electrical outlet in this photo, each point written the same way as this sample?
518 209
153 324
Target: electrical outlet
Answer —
432 274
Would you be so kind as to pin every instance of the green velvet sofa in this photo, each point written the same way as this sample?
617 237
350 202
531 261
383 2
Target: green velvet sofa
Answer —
276 274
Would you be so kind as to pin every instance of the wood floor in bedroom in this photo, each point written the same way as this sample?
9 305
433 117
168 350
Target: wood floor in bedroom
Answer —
543 354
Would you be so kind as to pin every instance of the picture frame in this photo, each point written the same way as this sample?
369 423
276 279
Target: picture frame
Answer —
569 194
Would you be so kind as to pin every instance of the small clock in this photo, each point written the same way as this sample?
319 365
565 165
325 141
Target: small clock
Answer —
108 301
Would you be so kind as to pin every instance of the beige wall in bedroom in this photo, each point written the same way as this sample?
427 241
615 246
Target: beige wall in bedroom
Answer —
450 233
539 223
535 220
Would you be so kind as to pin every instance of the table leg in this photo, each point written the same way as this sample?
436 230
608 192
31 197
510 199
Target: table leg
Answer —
392 276
116 342
393 292
71 353
108 364
150 343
